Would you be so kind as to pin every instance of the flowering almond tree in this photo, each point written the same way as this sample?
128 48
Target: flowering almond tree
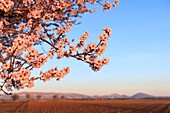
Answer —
26 24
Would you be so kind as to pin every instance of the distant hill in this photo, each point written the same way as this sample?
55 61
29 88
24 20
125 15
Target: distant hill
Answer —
115 95
48 96
142 95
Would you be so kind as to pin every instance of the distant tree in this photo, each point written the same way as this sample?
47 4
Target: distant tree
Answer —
28 96
38 96
98 98
55 96
62 97
15 97
26 25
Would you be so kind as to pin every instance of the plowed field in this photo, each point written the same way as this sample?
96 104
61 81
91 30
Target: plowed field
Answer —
88 106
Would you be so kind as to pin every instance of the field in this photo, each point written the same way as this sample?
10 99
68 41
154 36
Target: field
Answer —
88 106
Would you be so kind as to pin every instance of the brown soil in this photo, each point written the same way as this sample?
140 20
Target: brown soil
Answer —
88 106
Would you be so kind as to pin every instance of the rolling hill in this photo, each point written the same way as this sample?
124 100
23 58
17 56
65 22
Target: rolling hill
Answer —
48 96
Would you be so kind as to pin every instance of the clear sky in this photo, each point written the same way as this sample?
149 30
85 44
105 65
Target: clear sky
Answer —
139 52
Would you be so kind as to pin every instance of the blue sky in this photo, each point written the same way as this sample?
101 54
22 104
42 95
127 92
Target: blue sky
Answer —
139 52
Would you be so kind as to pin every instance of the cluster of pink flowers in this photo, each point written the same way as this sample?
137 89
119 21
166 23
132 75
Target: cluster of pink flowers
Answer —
6 5
5 66
54 73
115 3
94 50
35 14
27 24
18 79
34 58
30 84
82 40
91 46
90 53
62 73
22 75
107 5
72 49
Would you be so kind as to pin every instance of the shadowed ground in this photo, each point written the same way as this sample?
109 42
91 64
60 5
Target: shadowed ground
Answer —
88 106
